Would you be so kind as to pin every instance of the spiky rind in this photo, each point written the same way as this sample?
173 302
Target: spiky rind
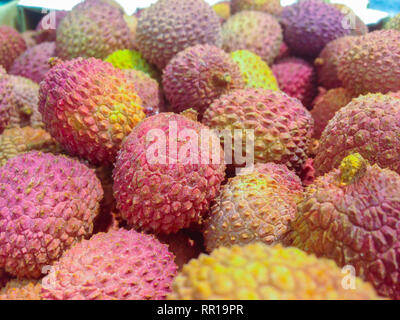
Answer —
372 63
34 62
258 271
89 107
326 105
16 141
118 265
79 34
165 195
297 78
367 125
21 290
250 208
282 126
351 215
269 6
131 59
197 76
256 73
328 61
22 96
255 31
310 24
148 90
12 44
48 203
170 26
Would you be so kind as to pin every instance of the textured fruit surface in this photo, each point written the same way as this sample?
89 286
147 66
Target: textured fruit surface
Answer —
367 125
12 44
159 186
21 290
197 76
311 24
34 62
297 78
5 106
282 126
270 6
284 52
328 61
22 96
326 105
16 141
351 215
131 59
89 107
183 245
256 73
47 203
148 90
372 63
258 271
170 26
47 26
283 176
255 31
223 10
94 30
118 265
250 208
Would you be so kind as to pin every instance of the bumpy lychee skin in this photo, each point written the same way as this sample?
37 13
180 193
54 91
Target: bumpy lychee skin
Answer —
297 78
5 107
22 96
47 204
328 61
283 176
170 26
131 59
255 31
256 73
284 52
34 62
372 63
258 271
89 107
166 190
21 290
351 215
16 141
367 125
282 126
326 104
118 265
47 26
197 76
94 29
250 208
269 6
308 174
148 90
11 46
309 25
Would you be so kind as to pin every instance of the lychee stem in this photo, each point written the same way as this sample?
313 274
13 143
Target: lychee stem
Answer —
352 168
